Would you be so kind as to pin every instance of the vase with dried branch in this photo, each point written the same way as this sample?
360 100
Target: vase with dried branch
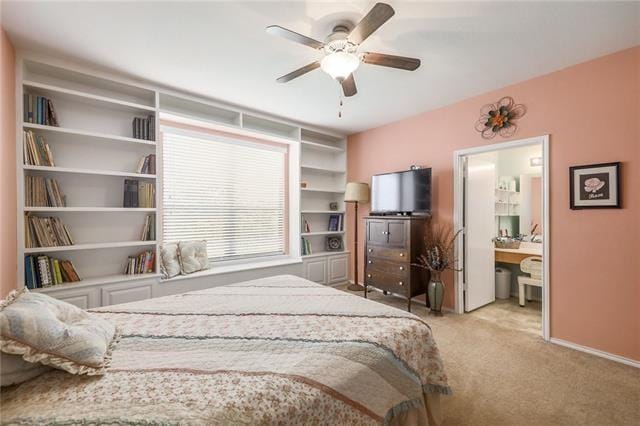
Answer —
439 255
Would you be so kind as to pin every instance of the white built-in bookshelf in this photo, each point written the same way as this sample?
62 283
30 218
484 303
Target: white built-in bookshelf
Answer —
95 152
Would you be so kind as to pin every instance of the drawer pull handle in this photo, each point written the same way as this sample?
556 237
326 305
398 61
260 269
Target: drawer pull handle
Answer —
400 282
368 275
369 262
370 250
402 268
401 254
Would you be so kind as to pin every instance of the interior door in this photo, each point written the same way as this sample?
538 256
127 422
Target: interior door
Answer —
479 229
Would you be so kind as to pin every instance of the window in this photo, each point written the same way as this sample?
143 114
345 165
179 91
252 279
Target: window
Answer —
227 191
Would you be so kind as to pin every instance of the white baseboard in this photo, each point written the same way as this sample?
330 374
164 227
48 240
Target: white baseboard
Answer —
596 352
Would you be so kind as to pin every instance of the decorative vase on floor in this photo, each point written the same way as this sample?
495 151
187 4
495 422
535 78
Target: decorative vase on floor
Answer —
435 291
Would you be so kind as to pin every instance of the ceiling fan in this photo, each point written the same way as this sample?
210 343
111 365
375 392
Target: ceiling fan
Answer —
341 57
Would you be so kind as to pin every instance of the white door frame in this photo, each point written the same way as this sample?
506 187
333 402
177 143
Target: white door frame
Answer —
458 212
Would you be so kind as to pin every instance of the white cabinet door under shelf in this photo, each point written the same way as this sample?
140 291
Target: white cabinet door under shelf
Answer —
116 294
338 267
316 270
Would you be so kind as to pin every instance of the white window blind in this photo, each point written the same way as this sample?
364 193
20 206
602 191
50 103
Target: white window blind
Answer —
230 193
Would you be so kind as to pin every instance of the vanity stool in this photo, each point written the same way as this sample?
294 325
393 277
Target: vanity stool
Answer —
533 266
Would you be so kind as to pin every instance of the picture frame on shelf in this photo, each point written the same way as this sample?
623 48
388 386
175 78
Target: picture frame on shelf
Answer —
595 186
334 243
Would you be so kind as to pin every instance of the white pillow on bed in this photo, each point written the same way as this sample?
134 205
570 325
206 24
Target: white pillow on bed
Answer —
193 256
15 370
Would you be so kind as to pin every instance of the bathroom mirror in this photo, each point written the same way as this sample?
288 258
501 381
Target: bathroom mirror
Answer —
531 207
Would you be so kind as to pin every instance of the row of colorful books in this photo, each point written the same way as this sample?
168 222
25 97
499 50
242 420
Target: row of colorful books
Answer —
306 247
141 264
39 110
144 128
44 271
36 151
43 192
147 165
46 232
139 194
149 228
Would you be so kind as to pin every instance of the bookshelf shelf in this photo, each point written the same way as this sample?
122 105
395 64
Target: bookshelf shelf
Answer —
88 172
89 209
93 246
321 169
335 191
322 211
86 97
311 234
85 135
108 279
325 253
321 147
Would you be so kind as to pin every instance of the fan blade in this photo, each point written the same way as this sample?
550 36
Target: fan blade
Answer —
297 73
349 86
401 62
378 15
293 36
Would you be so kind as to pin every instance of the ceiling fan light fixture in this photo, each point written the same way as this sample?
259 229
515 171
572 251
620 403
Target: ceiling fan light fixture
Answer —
339 65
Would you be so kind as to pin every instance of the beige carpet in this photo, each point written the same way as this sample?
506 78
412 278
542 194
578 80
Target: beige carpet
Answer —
508 376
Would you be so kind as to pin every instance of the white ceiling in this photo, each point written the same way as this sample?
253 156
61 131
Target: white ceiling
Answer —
220 49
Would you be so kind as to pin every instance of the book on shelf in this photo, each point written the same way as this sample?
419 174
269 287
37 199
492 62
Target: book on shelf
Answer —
144 128
143 263
39 110
147 165
335 222
36 151
139 194
44 271
306 247
46 232
149 228
43 192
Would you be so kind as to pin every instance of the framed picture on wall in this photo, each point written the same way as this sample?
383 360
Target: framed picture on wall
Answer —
595 186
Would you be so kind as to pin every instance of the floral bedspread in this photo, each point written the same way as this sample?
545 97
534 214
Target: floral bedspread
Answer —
278 350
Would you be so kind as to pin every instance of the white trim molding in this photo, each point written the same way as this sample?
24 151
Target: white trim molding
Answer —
596 352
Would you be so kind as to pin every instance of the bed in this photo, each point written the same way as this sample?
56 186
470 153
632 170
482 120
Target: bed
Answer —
278 350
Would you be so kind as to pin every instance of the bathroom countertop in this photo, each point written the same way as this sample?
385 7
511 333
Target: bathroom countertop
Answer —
525 248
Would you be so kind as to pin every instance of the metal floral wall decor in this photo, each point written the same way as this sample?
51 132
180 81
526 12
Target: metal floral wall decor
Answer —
499 118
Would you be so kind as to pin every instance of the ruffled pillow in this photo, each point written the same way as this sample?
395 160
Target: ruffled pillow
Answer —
52 332
193 256
169 262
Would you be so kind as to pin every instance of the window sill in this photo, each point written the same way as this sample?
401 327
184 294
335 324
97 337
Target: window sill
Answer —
237 267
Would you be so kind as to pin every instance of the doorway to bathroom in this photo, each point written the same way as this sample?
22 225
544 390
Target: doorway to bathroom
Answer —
501 199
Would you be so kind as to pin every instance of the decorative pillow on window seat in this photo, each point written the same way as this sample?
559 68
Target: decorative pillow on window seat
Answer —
169 262
52 332
193 256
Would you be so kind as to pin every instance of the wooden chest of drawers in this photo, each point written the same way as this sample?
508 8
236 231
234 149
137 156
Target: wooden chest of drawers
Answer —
392 243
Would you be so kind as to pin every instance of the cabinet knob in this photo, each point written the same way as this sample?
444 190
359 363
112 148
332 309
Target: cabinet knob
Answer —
369 262
400 282
401 254
402 268
368 275
370 250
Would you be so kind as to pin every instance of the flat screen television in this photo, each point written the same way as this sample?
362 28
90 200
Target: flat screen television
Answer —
407 192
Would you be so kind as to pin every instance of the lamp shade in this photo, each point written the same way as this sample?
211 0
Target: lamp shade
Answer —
356 192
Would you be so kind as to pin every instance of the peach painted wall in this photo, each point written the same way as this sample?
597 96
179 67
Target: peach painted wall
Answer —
592 113
8 223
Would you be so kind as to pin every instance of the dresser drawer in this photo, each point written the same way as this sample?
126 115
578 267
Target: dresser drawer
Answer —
395 254
388 266
383 281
